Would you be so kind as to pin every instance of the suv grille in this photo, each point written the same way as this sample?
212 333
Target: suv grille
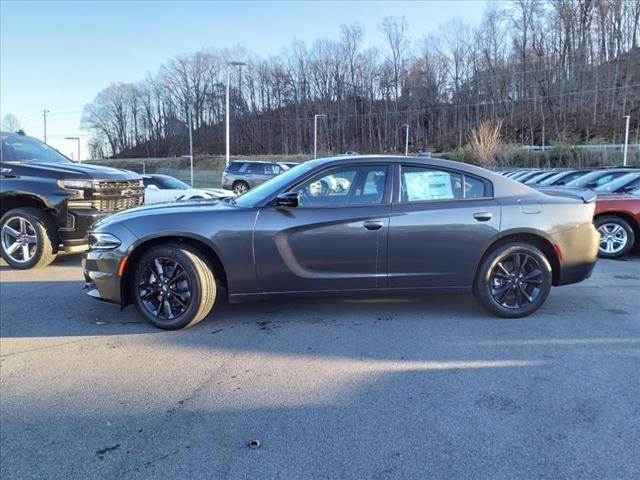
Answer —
116 195
111 196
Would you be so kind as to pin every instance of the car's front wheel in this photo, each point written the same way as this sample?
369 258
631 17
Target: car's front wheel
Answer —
514 280
173 286
28 238
616 236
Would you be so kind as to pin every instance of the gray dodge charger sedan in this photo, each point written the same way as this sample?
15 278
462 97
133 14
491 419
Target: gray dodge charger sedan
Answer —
347 226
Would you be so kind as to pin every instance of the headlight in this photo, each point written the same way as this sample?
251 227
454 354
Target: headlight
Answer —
103 241
75 184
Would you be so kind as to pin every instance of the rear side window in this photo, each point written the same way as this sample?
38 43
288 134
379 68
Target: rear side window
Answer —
419 184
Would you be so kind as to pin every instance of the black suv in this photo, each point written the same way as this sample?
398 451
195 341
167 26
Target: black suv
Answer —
47 202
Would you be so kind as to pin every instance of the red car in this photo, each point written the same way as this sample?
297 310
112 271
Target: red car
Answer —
617 218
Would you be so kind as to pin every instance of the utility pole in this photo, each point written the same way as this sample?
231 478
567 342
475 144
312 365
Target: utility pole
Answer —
44 115
229 65
315 133
406 140
191 144
626 139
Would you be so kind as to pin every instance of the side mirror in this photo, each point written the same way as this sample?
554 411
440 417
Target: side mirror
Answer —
288 200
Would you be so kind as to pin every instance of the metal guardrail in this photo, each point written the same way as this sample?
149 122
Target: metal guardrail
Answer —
603 146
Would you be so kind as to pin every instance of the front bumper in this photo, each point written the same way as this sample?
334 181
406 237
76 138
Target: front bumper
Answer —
102 268
73 235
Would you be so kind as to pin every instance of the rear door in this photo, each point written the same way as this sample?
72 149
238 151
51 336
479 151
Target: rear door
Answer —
441 223
336 239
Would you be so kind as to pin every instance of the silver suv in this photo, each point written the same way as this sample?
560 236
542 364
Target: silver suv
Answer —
242 176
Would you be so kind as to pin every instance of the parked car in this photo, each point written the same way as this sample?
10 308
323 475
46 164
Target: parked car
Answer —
596 178
404 225
617 218
164 188
527 175
534 180
561 178
47 202
242 176
624 184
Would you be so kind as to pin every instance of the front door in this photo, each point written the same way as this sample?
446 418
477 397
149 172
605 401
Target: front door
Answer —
335 239
440 225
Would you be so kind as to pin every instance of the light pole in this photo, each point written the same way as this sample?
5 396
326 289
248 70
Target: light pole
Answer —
229 65
77 139
406 140
626 139
191 143
44 115
144 168
315 133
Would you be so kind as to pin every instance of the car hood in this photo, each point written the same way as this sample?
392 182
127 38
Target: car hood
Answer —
83 170
159 209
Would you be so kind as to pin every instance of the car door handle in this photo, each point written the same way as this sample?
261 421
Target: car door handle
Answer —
373 225
482 216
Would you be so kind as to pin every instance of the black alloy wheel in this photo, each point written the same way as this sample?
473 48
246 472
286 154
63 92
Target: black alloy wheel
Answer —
173 286
514 280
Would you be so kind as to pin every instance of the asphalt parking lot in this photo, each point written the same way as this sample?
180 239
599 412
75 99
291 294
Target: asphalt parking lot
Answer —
346 389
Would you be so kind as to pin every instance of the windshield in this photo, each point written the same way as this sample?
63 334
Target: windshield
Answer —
20 148
171 183
618 183
269 188
598 178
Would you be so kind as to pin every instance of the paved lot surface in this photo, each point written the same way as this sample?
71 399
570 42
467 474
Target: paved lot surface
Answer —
345 389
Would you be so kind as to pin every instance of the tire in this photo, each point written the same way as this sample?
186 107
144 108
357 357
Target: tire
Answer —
502 288
240 187
190 296
33 227
616 236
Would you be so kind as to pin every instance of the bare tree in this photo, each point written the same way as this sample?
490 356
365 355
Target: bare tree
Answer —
10 123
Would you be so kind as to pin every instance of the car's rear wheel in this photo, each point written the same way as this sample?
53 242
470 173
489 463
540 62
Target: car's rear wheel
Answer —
514 280
173 286
240 187
616 236
27 238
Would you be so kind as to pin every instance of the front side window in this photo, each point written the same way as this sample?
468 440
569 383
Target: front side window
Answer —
344 187
272 169
420 184
255 168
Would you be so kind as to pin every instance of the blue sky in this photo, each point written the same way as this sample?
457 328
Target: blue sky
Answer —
59 55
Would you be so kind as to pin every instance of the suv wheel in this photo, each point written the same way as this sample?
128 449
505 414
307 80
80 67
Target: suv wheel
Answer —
173 287
616 236
240 187
513 281
27 238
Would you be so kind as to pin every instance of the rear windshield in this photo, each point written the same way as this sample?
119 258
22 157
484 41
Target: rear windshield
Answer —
20 148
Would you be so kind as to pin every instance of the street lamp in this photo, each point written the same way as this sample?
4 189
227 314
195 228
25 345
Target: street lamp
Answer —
315 133
229 65
406 140
44 115
78 140
626 138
